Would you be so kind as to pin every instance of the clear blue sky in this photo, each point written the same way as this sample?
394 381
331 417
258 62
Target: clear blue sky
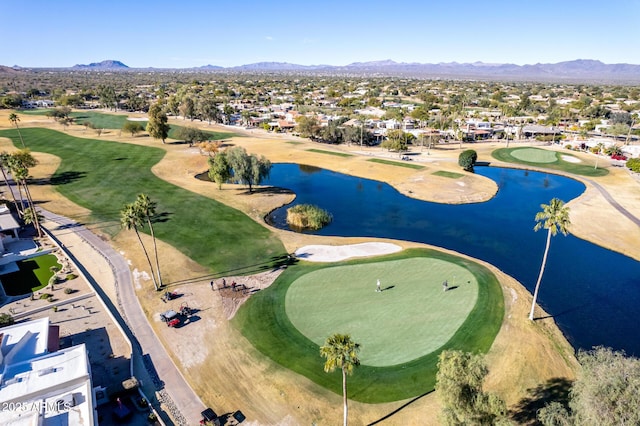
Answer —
188 33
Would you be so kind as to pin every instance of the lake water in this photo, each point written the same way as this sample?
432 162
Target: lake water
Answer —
593 293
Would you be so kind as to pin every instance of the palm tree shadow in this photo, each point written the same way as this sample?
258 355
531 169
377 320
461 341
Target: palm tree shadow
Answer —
566 311
556 389
397 410
161 217
388 288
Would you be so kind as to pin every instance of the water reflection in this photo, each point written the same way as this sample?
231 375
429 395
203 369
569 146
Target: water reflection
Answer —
593 293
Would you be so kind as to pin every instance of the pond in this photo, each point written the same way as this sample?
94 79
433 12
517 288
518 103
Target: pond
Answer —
592 293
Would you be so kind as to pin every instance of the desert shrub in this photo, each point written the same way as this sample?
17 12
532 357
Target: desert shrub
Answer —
68 290
568 146
5 320
71 277
307 216
634 164
467 159
45 296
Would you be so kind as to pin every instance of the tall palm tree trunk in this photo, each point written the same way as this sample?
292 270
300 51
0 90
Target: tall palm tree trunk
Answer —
6 182
21 203
36 221
155 250
544 263
146 253
20 134
344 394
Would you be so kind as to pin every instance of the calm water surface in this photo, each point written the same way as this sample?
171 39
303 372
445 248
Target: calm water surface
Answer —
593 293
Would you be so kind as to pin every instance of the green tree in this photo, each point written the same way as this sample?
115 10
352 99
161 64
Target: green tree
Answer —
467 159
396 141
6 319
307 127
208 109
32 216
341 352
131 218
188 108
459 387
554 217
191 135
219 169
147 210
19 163
14 119
607 392
248 168
132 127
158 125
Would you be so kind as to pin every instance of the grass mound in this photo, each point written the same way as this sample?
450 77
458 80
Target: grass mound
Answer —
543 158
264 321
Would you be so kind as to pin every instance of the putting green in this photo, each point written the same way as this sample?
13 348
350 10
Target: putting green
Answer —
534 155
411 317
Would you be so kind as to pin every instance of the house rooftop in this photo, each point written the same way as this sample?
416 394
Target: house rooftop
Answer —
45 388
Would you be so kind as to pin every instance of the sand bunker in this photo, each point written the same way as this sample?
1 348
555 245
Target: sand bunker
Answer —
571 159
324 253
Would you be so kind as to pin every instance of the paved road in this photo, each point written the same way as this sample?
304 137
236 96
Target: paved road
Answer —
181 401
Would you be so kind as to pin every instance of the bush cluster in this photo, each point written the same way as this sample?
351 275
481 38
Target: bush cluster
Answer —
467 159
307 216
634 164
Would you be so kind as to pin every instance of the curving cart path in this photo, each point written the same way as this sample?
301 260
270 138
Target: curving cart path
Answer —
150 358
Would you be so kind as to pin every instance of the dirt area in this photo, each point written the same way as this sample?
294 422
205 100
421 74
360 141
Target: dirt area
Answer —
229 374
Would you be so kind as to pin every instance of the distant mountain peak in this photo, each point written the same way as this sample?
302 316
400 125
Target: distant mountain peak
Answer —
108 64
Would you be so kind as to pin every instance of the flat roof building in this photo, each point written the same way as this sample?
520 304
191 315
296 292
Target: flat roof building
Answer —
40 385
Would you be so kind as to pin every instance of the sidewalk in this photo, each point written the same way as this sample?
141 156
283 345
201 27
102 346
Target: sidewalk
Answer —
111 277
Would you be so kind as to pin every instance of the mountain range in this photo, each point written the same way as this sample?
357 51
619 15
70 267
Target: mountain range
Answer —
576 70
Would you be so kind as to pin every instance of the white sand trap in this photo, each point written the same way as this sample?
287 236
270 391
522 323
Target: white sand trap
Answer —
324 253
570 159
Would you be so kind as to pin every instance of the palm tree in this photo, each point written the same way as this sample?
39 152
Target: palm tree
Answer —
4 166
19 164
14 119
341 352
554 217
130 218
147 209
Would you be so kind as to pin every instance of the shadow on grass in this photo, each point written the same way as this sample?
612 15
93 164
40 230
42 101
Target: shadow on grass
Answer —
555 389
62 178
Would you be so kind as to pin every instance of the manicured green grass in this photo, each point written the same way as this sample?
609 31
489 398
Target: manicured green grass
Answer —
263 319
337 154
412 312
33 111
534 155
101 120
396 163
33 274
529 156
444 173
103 176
